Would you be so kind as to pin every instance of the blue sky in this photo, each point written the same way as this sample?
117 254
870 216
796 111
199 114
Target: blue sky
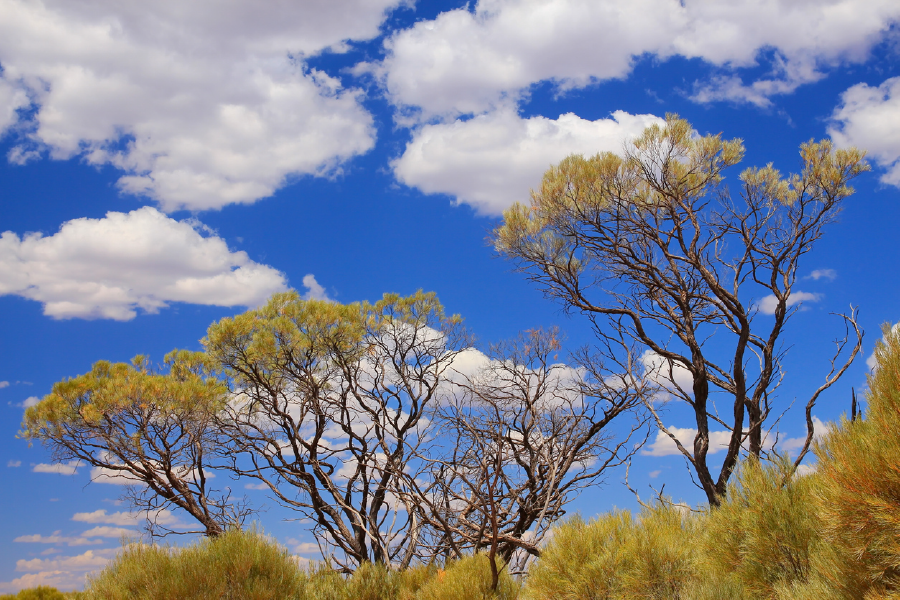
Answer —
167 165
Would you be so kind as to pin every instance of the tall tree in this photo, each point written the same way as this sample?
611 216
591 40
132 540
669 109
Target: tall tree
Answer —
651 246
329 405
154 429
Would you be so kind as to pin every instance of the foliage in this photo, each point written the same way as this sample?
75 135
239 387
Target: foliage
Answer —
154 429
659 255
469 579
763 536
328 406
42 592
235 565
616 557
859 492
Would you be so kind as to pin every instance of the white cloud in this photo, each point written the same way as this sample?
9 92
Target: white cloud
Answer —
201 104
306 548
493 160
29 402
769 303
314 290
872 361
122 518
69 468
664 446
14 463
4 384
658 370
793 445
56 538
256 486
108 532
829 274
110 267
470 62
869 117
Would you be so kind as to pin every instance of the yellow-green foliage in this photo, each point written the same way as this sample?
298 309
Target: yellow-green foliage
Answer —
235 565
615 557
764 532
42 592
468 579
859 494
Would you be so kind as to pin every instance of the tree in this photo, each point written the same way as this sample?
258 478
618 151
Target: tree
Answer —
155 429
651 246
328 407
518 440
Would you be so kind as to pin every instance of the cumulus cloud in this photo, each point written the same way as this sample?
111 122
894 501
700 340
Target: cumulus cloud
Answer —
314 290
108 532
769 303
493 160
63 572
29 401
4 384
56 538
869 117
793 445
108 268
829 274
14 463
69 468
473 61
100 516
664 446
666 375
200 104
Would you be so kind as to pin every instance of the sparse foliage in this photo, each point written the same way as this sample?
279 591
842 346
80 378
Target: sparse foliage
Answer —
329 404
156 429
652 246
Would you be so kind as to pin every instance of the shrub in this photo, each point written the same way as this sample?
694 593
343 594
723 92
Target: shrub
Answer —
235 565
615 557
764 533
859 492
468 579
42 592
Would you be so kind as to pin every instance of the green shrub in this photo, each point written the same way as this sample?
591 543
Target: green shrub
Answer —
859 491
468 579
765 531
42 592
236 565
615 557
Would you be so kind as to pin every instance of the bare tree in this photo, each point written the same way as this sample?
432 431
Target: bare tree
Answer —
651 246
153 429
519 440
327 401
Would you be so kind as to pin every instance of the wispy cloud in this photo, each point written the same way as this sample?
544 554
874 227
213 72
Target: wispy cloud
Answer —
69 468
829 274
769 303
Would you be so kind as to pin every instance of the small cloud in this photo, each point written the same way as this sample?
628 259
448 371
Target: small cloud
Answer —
654 474
306 548
664 446
256 486
792 445
768 304
829 274
29 402
806 470
14 463
108 532
24 383
69 468
56 538
314 290
4 384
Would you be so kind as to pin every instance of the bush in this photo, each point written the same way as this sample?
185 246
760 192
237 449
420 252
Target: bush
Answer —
859 492
763 535
615 557
235 565
468 579
42 592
